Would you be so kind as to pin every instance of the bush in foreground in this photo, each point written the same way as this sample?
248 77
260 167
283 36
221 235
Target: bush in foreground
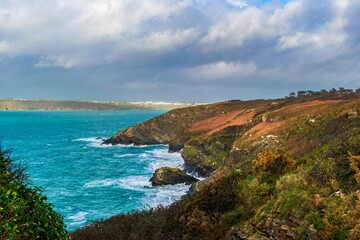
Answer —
24 212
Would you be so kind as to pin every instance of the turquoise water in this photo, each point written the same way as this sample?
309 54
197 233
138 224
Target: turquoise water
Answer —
86 181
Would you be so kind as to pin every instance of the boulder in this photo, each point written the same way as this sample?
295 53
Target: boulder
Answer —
171 176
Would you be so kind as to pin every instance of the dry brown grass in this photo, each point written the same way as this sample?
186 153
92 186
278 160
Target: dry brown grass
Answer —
263 129
310 107
355 165
214 122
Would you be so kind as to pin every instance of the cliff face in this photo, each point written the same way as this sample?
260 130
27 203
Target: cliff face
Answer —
276 169
174 127
233 133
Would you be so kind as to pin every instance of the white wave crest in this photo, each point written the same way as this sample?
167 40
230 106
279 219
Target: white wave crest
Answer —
144 155
101 183
125 155
138 146
78 218
137 183
93 141
162 158
90 139
165 195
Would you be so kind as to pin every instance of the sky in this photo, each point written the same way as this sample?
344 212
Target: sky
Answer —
176 50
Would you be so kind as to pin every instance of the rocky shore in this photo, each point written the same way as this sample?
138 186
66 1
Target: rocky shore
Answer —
171 176
275 169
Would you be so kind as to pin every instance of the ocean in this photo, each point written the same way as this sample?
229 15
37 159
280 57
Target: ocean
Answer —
82 179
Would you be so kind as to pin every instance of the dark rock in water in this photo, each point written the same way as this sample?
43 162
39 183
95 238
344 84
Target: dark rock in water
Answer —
170 176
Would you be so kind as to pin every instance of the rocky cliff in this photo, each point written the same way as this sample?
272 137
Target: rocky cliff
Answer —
232 133
276 169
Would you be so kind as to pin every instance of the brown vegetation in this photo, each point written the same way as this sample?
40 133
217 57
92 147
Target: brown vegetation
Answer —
355 165
214 122
277 169
273 162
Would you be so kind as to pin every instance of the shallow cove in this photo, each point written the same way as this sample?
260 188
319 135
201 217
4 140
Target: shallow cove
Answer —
86 181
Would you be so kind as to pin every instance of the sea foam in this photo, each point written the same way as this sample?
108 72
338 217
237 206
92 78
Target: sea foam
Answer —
164 195
78 219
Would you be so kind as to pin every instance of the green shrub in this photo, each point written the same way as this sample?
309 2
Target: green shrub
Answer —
293 194
24 212
339 149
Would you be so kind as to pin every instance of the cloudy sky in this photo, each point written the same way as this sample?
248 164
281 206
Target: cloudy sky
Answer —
176 50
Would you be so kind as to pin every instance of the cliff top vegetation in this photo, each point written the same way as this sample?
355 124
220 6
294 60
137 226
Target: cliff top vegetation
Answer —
276 169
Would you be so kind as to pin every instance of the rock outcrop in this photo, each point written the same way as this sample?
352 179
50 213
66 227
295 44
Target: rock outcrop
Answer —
233 133
171 176
275 169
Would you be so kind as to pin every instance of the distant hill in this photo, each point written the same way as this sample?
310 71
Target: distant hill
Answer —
22 104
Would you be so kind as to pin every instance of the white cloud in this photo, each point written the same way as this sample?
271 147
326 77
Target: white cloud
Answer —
238 28
329 35
201 2
108 30
211 40
58 28
299 39
238 3
56 61
111 18
325 37
222 70
165 40
5 47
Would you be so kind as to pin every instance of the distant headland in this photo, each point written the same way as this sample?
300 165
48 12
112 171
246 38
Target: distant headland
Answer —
25 104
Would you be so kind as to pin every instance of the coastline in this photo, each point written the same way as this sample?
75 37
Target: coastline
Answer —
76 105
274 170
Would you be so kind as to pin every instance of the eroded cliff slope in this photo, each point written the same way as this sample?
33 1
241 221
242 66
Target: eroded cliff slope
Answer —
233 133
276 169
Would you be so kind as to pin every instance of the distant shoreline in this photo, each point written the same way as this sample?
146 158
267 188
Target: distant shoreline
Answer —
75 110
80 105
